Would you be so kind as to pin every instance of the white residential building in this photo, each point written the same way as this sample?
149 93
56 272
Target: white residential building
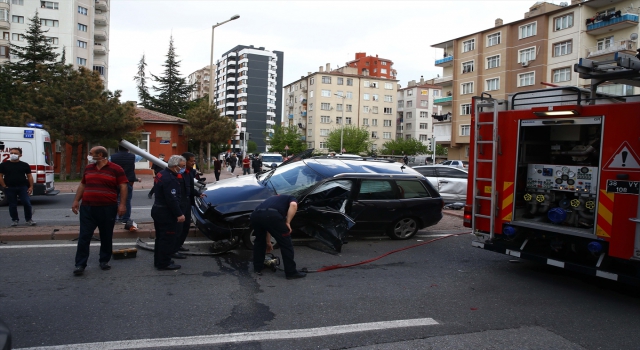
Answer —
416 111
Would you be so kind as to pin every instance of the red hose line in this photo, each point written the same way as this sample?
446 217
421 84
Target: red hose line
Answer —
339 266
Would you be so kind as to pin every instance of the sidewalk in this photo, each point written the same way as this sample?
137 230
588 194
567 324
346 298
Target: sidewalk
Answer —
145 229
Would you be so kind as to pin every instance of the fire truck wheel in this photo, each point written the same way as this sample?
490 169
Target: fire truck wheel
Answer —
249 237
403 228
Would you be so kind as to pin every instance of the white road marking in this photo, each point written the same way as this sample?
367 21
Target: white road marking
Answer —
66 245
243 337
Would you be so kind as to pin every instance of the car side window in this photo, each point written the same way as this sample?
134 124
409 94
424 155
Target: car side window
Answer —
412 189
448 162
452 173
331 194
429 172
376 189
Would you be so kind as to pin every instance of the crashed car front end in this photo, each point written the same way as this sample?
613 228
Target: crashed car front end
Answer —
223 221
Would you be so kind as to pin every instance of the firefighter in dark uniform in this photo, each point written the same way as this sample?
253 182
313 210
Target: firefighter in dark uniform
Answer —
273 218
166 213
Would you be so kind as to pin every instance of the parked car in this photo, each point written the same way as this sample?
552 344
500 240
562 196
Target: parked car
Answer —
462 164
451 182
335 196
270 160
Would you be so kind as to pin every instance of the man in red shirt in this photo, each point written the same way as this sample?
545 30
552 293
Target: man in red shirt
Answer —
98 190
246 165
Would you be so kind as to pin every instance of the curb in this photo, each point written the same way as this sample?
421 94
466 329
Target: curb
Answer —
70 233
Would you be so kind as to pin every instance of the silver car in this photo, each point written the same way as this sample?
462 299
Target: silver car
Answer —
450 181
462 164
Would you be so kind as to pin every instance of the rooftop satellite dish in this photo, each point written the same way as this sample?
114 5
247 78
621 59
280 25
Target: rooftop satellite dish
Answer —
634 36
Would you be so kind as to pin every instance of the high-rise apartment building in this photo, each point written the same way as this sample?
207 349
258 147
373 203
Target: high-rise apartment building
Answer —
532 53
248 86
329 99
200 81
416 111
373 66
79 26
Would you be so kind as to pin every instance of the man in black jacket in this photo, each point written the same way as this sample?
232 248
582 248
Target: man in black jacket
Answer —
127 161
156 169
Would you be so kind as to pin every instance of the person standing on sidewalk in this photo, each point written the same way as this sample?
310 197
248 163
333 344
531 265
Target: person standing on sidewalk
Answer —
156 169
246 165
16 180
101 184
217 168
127 161
232 162
166 213
257 165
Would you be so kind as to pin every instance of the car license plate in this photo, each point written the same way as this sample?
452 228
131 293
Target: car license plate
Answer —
625 187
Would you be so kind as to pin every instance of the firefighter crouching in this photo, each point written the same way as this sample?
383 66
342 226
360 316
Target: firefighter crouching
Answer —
166 213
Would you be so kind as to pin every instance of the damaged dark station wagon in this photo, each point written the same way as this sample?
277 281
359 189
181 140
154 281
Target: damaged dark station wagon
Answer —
336 197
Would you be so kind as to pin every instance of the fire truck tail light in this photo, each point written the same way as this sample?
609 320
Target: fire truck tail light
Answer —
594 247
466 219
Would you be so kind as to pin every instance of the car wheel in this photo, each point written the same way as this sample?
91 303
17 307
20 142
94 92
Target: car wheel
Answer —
249 237
404 228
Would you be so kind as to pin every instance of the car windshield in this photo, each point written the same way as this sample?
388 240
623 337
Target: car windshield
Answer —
292 179
272 159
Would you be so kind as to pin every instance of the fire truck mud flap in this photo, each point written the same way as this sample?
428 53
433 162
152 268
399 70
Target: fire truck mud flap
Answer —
579 268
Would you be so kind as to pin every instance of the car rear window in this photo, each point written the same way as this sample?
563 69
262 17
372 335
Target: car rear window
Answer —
412 189
431 172
376 189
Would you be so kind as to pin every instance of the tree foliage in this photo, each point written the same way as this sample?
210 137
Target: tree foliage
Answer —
252 146
355 140
141 84
37 51
173 90
403 146
286 136
207 125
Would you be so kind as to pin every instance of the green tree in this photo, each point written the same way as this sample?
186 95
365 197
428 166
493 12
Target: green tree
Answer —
37 51
403 146
174 91
355 140
141 84
252 146
207 125
441 150
286 136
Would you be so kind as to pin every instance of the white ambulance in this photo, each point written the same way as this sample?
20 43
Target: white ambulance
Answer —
36 151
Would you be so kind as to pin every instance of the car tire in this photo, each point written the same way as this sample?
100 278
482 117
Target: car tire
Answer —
403 228
249 237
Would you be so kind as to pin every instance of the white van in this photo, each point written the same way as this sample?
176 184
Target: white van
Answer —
269 159
36 151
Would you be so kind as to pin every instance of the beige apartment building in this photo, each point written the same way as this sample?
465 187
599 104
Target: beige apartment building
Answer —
536 52
329 99
200 81
416 111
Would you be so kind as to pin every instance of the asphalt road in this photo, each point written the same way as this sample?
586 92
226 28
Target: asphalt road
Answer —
56 210
442 295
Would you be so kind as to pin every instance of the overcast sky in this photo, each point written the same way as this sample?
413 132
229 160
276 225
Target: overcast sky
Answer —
310 33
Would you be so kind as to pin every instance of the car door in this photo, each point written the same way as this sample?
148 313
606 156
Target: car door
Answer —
430 173
417 202
322 213
376 205
452 184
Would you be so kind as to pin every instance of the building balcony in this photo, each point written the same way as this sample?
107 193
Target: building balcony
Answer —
271 122
242 111
229 104
99 62
100 34
230 113
400 109
231 71
303 138
100 20
290 116
242 103
612 24
5 24
101 5
445 62
231 79
99 49
304 101
444 81
444 101
304 114
231 96
444 117
600 53
303 88
272 114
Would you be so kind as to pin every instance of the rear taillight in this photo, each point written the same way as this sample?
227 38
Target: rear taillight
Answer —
466 219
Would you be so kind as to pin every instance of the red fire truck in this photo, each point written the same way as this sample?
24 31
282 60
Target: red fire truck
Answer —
555 174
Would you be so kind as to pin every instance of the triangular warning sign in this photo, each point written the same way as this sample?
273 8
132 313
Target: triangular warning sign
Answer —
625 158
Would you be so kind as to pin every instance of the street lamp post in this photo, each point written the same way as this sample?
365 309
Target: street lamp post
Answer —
342 126
211 78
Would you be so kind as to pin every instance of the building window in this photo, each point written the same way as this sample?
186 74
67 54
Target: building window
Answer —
388 98
326 79
324 132
311 94
400 103
365 109
52 40
323 145
340 93
49 5
386 135
349 82
383 71
562 74
409 115
561 49
17 37
17 19
468 45
527 55
99 69
465 109
423 137
349 95
311 106
527 30
338 120
4 51
365 121
409 92
310 120
374 109
348 120
374 122
493 84
388 110
465 130
374 134
526 79
424 103
81 61
339 107
17 2
467 88
374 84
49 22
493 61
410 103
312 81
326 93
375 97
467 67
388 86
325 106
82 27
366 83
605 43
616 89
349 108
424 114
563 22
408 126
365 97
493 39
82 44
4 14
386 122
340 81
325 119
83 10
384 63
